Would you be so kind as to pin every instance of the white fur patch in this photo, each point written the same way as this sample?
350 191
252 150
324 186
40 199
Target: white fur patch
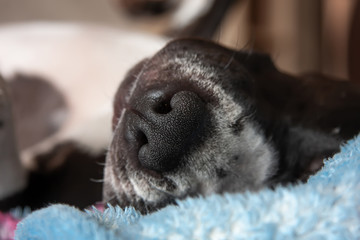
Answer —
85 62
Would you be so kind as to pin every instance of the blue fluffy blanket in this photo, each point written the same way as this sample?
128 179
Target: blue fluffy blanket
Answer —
327 207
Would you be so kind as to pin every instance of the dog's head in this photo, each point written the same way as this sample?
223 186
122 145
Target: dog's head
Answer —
183 127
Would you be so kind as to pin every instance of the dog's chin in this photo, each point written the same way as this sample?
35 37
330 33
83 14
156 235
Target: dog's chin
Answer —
137 187
157 199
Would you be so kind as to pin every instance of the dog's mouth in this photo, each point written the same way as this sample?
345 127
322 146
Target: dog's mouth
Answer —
181 129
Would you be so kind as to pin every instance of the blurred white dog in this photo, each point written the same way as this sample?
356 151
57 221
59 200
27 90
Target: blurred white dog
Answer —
84 65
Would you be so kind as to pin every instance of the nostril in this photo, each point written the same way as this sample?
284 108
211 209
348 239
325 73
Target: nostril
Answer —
141 138
163 107
135 136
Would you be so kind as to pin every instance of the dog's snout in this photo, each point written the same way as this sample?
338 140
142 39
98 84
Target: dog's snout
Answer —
163 127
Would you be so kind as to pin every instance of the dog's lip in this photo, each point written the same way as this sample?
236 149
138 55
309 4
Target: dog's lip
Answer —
164 186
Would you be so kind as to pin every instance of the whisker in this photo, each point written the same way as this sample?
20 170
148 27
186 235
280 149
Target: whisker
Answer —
96 180
100 163
230 60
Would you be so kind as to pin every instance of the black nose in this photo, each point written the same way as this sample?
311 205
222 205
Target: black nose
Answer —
162 128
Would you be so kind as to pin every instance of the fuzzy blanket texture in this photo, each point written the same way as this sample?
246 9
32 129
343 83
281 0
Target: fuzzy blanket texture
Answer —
326 207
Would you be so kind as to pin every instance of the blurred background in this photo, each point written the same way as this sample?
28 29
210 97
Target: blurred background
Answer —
64 59
301 35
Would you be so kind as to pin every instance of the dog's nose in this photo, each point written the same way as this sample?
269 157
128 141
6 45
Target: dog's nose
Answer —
163 127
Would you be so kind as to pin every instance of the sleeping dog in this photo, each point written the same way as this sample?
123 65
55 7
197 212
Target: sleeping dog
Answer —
198 118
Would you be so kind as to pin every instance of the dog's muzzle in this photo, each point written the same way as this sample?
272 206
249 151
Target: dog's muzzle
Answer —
161 128
180 130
